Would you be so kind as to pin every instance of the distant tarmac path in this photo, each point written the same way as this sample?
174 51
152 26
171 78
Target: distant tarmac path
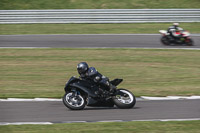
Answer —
90 40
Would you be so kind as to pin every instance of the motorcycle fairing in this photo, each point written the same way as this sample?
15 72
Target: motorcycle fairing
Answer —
81 85
116 82
78 85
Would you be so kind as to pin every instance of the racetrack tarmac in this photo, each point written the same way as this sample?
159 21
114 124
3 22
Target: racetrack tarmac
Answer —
56 112
85 41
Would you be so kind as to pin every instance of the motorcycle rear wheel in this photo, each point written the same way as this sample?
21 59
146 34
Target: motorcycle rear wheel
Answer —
74 102
124 99
165 40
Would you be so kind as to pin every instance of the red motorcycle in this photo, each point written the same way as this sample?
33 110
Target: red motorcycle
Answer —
177 37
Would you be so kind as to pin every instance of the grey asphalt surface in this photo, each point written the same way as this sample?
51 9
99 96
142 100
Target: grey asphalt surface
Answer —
63 41
56 112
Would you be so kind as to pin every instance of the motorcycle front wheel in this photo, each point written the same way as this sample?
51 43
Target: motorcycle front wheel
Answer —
74 101
124 99
189 42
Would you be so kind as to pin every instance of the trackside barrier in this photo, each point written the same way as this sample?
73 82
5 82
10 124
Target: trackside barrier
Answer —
99 16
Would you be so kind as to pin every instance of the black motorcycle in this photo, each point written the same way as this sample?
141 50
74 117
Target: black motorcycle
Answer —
79 93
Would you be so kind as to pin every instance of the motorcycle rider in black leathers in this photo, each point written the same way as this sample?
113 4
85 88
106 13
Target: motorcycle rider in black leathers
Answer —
173 29
91 74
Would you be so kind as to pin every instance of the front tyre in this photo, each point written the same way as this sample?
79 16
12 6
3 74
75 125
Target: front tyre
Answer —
74 101
189 42
124 99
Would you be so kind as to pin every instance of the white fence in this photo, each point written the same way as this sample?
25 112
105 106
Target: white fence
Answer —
99 16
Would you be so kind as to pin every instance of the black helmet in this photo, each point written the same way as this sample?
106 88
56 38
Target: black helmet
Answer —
82 67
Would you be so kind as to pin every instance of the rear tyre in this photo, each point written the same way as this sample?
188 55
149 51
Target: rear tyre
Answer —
165 40
74 101
124 99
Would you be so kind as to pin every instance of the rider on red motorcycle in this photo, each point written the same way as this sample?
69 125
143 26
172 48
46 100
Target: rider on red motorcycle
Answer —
174 31
176 35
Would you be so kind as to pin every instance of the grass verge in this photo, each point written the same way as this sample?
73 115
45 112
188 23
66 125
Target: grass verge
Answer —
10 29
29 73
115 127
96 4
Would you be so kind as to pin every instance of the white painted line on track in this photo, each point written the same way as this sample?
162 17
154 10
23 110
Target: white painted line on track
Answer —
102 48
25 47
73 121
142 48
49 123
170 97
139 99
189 119
111 121
23 123
28 100
91 35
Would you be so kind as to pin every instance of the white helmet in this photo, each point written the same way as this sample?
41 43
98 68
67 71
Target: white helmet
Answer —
176 24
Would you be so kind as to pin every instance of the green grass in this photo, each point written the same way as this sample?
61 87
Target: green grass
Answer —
97 4
9 29
114 127
31 73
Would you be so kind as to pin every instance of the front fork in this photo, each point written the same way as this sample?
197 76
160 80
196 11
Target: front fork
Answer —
75 92
187 39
